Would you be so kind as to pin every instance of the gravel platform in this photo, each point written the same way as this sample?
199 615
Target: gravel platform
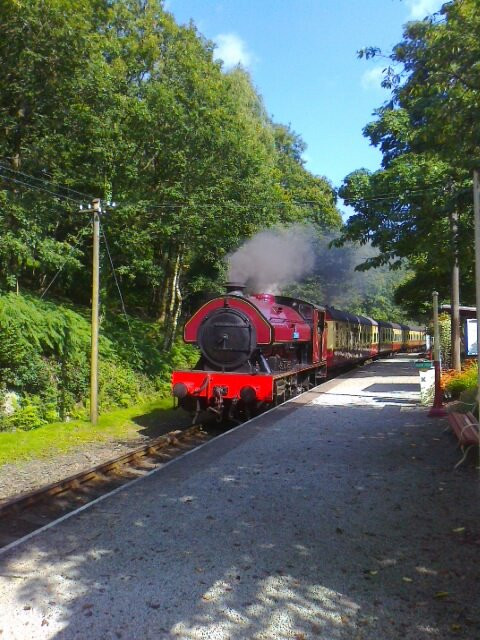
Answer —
337 516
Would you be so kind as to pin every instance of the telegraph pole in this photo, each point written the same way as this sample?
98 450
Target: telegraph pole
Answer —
95 306
476 210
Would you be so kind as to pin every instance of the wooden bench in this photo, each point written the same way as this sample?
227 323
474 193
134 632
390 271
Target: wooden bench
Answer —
465 427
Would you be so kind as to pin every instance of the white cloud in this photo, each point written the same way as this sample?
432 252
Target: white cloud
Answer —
372 79
232 50
419 9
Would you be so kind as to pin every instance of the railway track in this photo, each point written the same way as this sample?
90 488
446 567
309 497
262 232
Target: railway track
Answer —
29 512
22 515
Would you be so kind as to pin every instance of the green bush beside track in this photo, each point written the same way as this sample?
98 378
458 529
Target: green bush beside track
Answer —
45 362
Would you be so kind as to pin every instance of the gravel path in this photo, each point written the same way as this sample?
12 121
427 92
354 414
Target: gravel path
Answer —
338 516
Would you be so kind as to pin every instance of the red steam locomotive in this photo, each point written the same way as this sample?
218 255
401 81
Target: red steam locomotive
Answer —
261 349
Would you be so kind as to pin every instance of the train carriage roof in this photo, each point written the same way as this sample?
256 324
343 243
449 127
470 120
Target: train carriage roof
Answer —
305 309
368 320
390 325
345 316
410 327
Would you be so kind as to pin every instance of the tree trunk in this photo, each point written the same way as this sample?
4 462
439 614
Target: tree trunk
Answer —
455 296
173 322
174 304
166 287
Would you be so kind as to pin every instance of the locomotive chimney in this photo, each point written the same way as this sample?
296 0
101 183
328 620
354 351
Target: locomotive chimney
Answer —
235 288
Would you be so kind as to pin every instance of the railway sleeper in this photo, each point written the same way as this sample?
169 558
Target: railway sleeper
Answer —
162 455
136 471
149 464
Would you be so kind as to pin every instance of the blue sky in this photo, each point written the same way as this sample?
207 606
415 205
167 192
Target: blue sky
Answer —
302 56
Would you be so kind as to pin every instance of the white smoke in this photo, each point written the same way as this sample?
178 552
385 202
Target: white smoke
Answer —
274 258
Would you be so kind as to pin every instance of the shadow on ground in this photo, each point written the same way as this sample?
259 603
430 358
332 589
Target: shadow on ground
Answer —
160 421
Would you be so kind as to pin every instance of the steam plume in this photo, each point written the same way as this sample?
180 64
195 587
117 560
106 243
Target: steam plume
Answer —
274 258
334 280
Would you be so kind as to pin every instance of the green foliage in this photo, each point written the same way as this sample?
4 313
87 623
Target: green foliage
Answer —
429 142
114 99
122 424
120 386
445 328
26 418
44 357
179 144
180 356
308 198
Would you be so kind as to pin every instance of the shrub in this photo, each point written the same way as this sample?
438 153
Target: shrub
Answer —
120 386
454 382
45 360
25 418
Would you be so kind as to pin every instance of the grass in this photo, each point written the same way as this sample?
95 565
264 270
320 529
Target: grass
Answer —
148 419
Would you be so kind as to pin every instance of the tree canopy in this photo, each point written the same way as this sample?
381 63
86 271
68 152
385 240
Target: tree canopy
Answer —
418 207
113 99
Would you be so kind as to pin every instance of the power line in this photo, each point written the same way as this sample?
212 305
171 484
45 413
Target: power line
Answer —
186 205
399 195
205 205
35 187
27 175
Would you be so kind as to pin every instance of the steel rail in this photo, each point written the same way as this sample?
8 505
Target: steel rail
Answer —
120 470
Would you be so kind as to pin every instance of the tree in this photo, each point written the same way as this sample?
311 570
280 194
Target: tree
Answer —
308 198
113 99
418 207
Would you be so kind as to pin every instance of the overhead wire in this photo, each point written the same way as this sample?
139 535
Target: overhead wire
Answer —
38 179
36 187
399 195
186 205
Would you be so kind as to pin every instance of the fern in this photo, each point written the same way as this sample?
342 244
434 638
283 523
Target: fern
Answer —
45 358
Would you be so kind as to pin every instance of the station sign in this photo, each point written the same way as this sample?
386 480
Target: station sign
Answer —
471 346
